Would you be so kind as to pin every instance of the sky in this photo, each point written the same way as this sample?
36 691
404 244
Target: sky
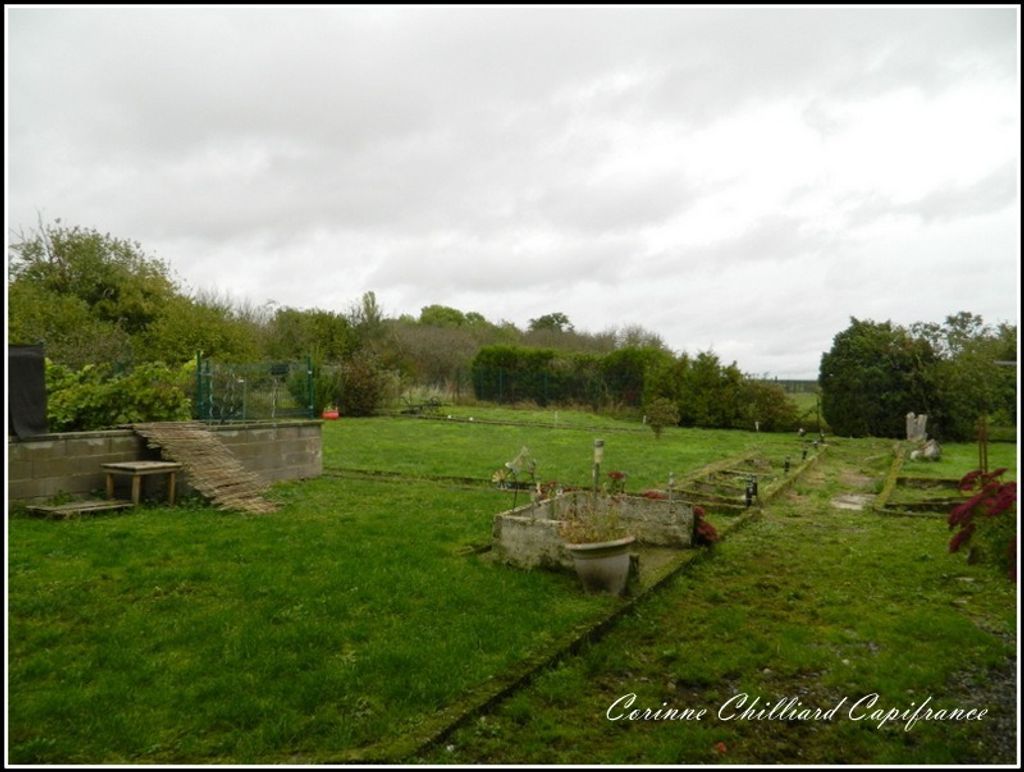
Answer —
742 180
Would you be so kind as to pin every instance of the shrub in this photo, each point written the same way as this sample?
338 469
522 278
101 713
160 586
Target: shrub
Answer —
661 412
364 386
769 406
992 505
95 398
704 534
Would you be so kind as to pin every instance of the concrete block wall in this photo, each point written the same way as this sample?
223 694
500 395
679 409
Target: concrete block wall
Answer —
528 536
44 466
657 522
530 542
282 451
51 464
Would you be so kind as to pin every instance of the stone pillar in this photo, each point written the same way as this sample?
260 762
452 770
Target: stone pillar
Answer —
916 427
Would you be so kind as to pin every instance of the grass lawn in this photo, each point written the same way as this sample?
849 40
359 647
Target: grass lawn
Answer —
182 635
423 448
809 603
959 458
354 614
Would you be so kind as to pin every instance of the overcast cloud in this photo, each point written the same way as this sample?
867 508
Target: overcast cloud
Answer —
742 179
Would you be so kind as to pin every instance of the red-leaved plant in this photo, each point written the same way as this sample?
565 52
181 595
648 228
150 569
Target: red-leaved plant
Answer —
991 498
703 533
618 482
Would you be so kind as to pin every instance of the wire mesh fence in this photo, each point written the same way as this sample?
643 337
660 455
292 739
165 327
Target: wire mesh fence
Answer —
550 386
253 391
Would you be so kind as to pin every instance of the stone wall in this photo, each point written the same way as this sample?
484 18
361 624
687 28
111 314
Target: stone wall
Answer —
44 466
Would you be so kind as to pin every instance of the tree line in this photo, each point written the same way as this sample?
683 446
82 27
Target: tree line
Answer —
121 336
700 390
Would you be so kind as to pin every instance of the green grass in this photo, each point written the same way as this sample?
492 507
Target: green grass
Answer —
806 403
809 602
554 417
341 620
352 616
961 457
421 448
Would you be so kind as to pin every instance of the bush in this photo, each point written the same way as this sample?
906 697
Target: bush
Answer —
769 406
992 507
661 412
94 398
364 386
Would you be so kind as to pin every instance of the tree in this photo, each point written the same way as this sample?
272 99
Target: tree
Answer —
951 338
86 296
189 325
71 335
626 370
709 393
556 321
117 281
367 315
874 374
434 355
968 379
635 336
323 335
442 316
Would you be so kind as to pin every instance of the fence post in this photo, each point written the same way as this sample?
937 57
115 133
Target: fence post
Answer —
208 393
309 384
196 408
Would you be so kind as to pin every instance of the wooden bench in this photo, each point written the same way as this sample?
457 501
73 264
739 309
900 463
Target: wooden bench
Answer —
138 470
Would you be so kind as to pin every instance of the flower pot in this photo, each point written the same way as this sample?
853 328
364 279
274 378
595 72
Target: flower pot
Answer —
329 415
603 566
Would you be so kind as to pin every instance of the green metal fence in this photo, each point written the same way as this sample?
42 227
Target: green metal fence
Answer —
253 391
792 386
550 386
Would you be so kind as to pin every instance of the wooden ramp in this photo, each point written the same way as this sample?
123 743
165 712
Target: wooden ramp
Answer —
211 467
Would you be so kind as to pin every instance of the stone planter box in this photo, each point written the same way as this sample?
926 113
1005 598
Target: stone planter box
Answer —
528 536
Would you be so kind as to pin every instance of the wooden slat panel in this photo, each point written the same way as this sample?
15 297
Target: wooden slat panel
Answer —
212 469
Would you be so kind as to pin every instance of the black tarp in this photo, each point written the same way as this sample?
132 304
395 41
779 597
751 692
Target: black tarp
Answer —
26 391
